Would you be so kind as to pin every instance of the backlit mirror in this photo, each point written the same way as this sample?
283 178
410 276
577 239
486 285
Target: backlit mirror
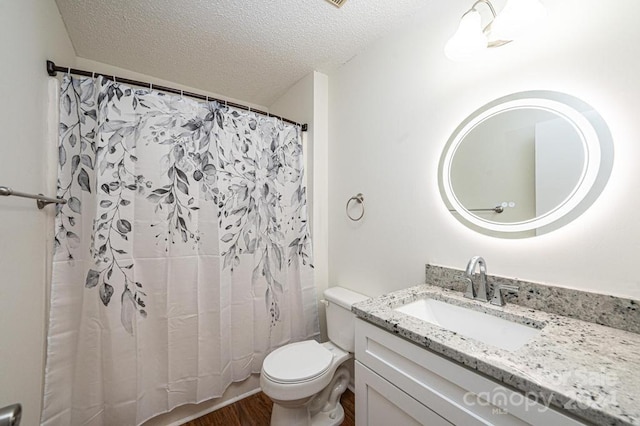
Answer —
525 164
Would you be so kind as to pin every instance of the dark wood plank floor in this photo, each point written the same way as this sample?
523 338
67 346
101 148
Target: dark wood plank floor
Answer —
256 411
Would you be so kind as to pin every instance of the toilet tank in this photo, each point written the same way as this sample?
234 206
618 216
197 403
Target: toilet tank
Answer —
340 320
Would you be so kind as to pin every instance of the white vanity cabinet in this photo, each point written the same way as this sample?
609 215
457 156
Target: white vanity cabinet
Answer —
400 383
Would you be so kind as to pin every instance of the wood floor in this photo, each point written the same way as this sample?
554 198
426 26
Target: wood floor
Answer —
256 411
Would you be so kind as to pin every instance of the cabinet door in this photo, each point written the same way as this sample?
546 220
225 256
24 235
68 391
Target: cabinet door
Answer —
459 395
379 403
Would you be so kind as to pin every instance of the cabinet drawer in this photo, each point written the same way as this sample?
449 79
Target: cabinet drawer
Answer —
379 403
459 395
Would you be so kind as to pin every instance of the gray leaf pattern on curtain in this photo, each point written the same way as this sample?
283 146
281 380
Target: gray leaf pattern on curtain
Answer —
249 166
260 194
76 157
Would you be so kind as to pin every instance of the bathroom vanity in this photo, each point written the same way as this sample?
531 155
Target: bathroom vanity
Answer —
566 372
399 383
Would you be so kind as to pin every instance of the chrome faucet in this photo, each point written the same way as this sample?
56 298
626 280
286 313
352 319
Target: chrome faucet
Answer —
482 283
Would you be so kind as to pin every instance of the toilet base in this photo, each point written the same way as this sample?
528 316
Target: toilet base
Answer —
291 413
284 416
329 418
323 409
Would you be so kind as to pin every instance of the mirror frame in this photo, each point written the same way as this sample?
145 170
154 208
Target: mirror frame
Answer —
598 149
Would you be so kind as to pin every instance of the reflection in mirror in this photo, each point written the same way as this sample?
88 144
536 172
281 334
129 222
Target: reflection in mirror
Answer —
526 164
528 158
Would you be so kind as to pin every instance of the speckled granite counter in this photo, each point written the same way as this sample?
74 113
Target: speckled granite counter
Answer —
590 370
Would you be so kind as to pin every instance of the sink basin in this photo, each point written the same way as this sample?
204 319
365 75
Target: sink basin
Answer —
489 329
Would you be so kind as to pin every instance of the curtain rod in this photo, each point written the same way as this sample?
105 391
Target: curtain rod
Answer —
41 200
53 69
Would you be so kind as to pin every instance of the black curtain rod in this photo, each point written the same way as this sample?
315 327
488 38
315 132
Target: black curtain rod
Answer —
53 69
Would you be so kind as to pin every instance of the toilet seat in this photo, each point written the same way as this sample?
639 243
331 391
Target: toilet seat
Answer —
297 362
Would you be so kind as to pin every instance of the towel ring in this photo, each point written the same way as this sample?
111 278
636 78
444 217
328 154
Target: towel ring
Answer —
359 198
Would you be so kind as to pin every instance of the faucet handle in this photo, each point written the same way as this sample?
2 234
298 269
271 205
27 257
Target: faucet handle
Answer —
497 298
470 293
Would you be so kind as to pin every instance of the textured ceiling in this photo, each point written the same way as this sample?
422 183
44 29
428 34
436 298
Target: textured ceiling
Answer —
252 50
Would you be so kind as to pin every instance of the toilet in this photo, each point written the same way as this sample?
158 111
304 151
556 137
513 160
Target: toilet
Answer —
305 380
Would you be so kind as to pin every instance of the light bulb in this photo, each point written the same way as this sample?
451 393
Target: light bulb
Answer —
469 41
517 18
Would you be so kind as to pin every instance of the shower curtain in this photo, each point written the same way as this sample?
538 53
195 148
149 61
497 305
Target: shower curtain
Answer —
182 256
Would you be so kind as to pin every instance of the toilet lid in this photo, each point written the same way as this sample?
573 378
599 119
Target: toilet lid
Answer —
297 362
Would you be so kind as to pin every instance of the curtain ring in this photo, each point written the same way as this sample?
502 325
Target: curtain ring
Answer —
181 94
359 198
93 74
114 80
150 87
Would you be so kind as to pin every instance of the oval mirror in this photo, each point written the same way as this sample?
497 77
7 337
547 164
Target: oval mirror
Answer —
526 164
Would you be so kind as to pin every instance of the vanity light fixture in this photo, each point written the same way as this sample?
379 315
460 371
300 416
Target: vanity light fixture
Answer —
517 18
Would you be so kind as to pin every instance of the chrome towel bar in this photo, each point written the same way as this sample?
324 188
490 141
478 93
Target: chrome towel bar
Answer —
41 200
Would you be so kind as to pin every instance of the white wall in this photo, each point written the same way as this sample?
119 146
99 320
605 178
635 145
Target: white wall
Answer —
307 102
393 107
31 31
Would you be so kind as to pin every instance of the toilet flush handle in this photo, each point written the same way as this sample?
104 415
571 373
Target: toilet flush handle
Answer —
324 302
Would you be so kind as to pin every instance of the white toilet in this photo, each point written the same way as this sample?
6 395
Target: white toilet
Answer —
306 379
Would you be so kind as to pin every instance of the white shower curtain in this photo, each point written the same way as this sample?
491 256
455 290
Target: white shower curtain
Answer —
182 256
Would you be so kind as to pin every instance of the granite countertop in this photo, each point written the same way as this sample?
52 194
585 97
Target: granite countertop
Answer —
590 370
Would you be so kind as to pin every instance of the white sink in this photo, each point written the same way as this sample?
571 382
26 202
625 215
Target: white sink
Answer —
488 329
